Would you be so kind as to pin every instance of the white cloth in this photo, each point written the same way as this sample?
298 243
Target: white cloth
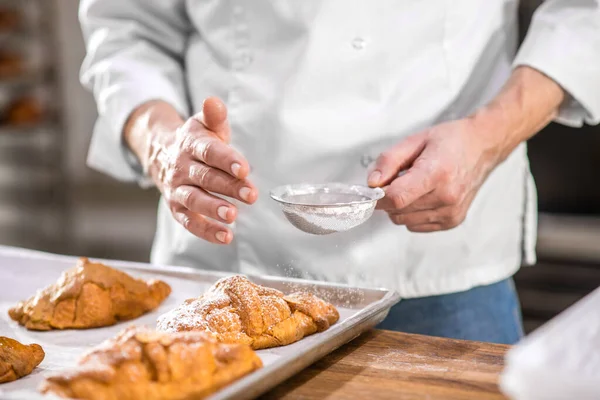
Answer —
315 91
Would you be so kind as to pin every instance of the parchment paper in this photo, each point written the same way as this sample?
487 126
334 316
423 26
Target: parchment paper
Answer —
23 272
559 360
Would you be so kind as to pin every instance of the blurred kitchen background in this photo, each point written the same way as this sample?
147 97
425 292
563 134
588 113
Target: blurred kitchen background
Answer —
49 199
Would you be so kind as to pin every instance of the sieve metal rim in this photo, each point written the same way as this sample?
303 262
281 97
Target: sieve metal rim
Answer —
372 194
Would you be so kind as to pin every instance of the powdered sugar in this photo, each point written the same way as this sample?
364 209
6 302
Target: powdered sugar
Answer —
324 220
235 309
327 208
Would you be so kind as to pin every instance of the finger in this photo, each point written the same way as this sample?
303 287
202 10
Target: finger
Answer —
214 117
425 228
419 218
214 152
448 217
391 162
430 201
202 227
407 189
217 181
201 202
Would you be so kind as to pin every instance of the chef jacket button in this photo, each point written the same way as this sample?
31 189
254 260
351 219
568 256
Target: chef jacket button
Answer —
233 97
358 43
242 42
246 60
366 160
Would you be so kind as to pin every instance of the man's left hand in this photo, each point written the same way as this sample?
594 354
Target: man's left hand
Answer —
444 168
446 165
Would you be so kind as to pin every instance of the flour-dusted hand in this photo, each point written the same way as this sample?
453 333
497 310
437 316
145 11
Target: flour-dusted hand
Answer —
447 164
192 161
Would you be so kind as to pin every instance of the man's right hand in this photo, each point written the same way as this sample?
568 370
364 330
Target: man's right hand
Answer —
191 160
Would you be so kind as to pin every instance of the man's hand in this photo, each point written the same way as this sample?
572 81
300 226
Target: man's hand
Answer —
447 164
191 160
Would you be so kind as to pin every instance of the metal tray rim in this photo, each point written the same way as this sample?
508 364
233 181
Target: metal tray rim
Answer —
21 252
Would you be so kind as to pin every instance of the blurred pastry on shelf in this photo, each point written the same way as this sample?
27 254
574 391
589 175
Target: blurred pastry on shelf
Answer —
10 19
26 110
17 359
11 65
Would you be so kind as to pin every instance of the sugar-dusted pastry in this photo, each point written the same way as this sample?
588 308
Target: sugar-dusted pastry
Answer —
239 311
144 364
17 359
89 295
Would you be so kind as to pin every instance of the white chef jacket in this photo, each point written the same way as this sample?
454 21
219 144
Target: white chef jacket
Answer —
315 91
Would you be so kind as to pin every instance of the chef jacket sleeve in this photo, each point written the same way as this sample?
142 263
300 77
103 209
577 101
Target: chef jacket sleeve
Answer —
135 52
563 42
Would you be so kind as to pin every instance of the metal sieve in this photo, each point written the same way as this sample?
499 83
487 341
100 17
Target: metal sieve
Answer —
321 209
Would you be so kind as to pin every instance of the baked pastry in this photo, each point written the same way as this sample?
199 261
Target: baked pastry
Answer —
10 19
26 110
144 364
17 359
89 295
236 310
11 65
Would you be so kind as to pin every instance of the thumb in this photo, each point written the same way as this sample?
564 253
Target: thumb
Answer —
396 159
214 117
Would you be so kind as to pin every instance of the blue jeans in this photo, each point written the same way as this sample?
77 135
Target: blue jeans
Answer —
486 313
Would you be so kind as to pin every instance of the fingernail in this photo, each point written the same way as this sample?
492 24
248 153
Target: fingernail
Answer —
222 212
374 178
221 236
235 168
245 193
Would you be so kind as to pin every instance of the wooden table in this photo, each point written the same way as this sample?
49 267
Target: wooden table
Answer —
384 365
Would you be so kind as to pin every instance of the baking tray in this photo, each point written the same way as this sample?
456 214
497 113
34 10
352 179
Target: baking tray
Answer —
22 272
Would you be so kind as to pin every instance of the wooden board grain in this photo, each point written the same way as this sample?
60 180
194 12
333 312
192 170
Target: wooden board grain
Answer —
383 365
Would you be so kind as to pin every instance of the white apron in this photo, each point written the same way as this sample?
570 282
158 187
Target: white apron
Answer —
315 91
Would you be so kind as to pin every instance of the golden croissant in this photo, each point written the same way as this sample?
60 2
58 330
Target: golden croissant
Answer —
18 360
89 295
144 364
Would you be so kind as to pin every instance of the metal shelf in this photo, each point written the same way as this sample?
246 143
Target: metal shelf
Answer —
33 201
571 237
27 79
27 131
